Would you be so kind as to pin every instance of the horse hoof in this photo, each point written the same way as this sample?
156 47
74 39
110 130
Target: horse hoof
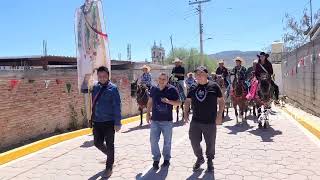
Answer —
266 125
260 125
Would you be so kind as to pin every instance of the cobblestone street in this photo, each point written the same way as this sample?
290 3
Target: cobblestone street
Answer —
284 151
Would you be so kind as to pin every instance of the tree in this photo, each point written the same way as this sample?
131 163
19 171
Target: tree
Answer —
191 59
295 30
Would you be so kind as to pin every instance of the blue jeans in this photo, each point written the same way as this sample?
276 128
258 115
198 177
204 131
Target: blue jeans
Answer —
158 127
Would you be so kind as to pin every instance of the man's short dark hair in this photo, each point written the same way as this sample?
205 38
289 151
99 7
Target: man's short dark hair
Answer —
164 74
103 69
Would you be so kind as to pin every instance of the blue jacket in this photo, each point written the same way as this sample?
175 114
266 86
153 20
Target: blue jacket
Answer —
108 106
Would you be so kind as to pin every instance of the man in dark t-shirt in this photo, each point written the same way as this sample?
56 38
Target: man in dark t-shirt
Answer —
162 99
204 97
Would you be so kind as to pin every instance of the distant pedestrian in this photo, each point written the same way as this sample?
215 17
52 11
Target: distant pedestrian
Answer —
204 97
162 99
106 116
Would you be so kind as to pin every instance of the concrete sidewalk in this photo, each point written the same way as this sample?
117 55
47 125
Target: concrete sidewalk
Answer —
309 121
243 152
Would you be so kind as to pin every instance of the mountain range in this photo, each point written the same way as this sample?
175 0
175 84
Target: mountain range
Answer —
228 57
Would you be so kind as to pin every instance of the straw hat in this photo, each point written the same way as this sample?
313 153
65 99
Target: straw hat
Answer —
177 60
221 61
238 59
146 67
189 74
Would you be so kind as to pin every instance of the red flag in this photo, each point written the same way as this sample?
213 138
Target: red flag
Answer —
13 83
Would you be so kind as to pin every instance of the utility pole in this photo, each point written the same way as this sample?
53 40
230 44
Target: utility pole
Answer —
172 46
129 52
200 25
311 19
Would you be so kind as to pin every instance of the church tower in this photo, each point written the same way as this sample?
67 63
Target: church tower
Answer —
157 54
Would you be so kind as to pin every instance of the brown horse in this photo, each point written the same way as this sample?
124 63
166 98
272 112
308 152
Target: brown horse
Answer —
142 99
221 83
239 99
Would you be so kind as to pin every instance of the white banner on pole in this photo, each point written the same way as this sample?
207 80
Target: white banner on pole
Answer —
91 41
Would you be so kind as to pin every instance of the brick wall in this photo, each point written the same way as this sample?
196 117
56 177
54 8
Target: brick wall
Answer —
31 110
302 85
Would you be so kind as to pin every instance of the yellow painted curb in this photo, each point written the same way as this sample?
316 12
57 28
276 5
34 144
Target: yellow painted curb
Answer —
38 145
309 125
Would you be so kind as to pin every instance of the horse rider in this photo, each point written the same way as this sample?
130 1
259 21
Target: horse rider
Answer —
190 80
240 71
222 70
178 71
265 66
251 70
146 78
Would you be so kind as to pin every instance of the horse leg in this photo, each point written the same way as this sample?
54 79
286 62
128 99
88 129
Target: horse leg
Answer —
227 110
141 115
177 113
222 114
254 111
182 110
236 113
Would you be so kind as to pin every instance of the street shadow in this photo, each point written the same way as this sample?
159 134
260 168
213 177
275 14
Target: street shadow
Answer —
99 175
239 128
252 118
146 126
154 175
266 134
206 176
273 112
227 118
87 144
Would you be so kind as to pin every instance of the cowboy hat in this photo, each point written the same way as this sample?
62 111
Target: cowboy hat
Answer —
177 60
221 61
146 67
239 59
189 73
263 54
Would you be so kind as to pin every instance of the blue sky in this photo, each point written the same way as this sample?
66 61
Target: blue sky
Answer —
232 25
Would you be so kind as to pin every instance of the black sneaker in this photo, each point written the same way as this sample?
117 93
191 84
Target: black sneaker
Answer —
198 164
166 163
210 166
155 165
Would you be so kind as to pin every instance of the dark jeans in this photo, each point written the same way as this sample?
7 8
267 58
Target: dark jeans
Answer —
104 132
276 89
209 132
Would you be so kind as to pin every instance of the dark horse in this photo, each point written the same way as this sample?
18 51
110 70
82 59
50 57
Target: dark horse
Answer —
239 98
142 99
182 97
264 102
